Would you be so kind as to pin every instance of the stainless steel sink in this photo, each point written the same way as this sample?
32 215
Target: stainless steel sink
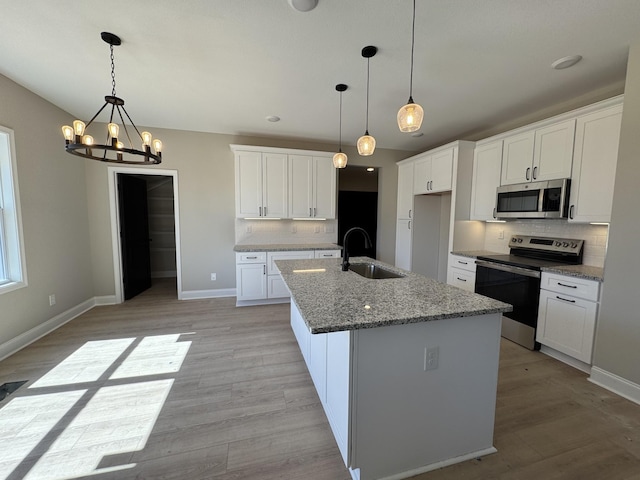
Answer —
370 270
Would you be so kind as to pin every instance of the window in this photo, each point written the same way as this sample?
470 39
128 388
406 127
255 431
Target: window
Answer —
12 266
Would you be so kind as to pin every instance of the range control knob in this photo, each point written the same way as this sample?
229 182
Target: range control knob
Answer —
574 245
519 240
558 244
565 244
514 239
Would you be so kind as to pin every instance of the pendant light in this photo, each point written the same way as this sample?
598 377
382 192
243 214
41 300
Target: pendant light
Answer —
340 159
366 143
77 142
410 116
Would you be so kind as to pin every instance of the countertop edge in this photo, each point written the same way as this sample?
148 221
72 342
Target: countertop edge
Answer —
284 247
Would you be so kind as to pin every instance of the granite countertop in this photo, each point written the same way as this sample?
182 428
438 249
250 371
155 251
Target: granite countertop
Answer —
587 272
331 300
283 247
474 253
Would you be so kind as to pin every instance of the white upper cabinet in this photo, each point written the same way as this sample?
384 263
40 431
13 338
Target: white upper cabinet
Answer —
545 153
261 185
312 186
405 190
487 162
433 173
594 165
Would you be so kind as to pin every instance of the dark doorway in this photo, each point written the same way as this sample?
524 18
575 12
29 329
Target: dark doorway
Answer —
134 234
358 207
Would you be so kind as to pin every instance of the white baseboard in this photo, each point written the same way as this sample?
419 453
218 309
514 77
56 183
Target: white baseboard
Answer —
105 300
265 301
30 336
615 384
552 352
202 294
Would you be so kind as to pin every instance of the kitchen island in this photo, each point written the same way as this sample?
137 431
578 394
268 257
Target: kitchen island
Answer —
406 368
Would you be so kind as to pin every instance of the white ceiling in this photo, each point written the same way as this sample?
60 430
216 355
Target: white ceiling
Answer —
224 65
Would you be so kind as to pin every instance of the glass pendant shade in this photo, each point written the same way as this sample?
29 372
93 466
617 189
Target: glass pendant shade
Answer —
410 117
366 145
340 160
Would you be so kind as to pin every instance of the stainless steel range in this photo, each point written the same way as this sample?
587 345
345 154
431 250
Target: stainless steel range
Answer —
515 279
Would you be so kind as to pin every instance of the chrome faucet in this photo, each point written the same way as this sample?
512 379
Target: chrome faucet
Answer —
345 249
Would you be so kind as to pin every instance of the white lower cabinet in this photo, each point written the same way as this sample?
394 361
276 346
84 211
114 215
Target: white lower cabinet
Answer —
567 315
251 276
462 272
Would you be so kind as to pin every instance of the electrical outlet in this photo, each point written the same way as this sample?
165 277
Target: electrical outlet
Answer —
500 234
213 277
248 229
52 300
431 358
316 229
294 229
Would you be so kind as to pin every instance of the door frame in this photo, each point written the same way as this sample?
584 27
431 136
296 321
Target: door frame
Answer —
112 174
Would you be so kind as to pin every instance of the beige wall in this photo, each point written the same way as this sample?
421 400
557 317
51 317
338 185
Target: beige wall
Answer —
54 214
205 169
617 348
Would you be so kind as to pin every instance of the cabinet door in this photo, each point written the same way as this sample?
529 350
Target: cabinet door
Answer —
248 184
251 281
517 158
462 279
567 324
421 175
301 331
338 392
274 185
594 165
553 151
300 181
276 288
441 171
403 243
487 163
318 363
324 188
405 190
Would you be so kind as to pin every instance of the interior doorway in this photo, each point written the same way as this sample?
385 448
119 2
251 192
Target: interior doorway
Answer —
358 207
145 229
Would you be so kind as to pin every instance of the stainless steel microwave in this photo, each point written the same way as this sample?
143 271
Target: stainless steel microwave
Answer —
548 199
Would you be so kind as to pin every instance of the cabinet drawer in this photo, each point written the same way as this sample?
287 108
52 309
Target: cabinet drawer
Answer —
290 255
576 287
465 263
462 279
328 254
251 257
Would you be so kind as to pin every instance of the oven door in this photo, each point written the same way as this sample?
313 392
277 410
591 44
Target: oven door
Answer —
519 287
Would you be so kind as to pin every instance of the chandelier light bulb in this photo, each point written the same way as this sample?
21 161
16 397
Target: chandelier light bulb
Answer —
157 145
146 139
68 133
87 140
119 145
78 127
340 160
114 129
410 117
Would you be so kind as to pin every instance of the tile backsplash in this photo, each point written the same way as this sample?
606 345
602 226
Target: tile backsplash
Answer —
286 231
594 236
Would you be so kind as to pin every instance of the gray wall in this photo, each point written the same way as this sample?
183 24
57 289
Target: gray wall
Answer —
617 348
207 208
55 223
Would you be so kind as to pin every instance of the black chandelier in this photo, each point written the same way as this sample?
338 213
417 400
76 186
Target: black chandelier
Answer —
113 150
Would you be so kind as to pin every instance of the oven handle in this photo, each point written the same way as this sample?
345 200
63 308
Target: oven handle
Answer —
509 268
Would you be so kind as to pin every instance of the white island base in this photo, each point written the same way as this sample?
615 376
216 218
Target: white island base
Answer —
406 399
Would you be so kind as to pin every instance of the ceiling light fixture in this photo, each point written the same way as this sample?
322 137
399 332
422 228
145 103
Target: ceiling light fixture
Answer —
410 115
273 118
566 62
366 143
340 159
114 150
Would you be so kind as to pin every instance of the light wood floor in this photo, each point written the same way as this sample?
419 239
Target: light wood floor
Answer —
242 405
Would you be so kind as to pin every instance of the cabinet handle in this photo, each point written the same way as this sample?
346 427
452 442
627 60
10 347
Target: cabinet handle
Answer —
315 212
265 211
461 279
463 263
264 269
571 212
526 174
494 212
535 171
259 211
409 225
409 213
568 286
252 258
431 185
565 299
310 212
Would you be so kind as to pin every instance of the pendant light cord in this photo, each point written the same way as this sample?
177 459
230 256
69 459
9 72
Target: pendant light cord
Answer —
340 123
413 40
367 121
